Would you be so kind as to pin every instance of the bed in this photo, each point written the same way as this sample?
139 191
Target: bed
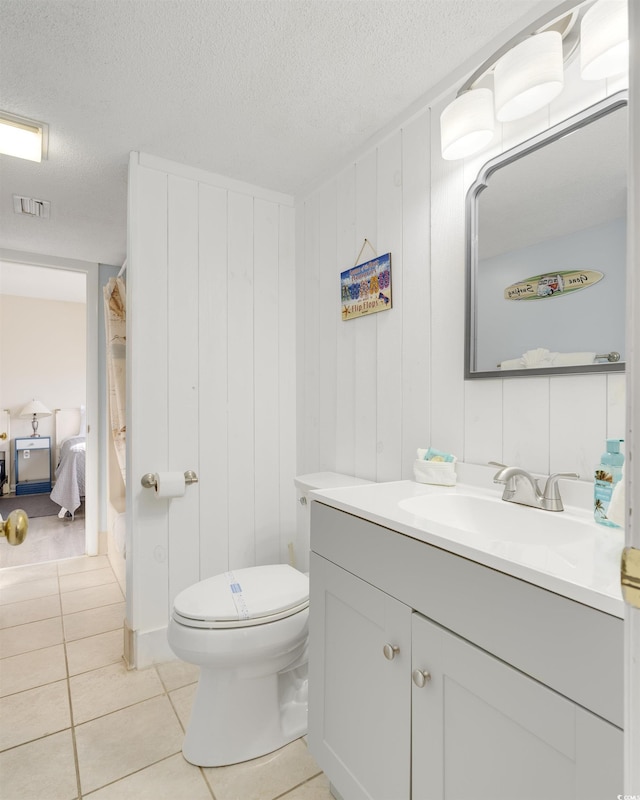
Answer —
68 490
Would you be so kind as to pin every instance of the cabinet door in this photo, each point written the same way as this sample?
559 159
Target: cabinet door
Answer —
359 700
485 731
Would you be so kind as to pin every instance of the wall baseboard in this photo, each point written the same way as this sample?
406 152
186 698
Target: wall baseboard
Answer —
151 647
128 646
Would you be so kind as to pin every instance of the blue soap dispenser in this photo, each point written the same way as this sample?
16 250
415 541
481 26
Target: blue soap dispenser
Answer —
608 473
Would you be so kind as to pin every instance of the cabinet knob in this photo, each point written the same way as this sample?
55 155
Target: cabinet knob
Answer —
420 677
390 651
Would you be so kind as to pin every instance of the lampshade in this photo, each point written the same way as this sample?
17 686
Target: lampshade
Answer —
529 76
604 40
35 409
467 124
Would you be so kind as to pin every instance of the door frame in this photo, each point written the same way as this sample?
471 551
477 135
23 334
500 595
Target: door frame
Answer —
632 615
90 270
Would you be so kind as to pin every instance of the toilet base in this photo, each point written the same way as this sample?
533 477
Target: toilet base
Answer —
237 719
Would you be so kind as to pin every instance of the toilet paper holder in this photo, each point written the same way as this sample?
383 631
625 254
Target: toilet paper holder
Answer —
149 479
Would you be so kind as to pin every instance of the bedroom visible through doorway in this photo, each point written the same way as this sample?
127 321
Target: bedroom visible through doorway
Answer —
44 334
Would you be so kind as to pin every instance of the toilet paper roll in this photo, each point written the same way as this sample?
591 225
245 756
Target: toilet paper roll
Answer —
170 484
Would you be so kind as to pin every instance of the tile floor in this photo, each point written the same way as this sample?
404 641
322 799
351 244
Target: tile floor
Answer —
75 723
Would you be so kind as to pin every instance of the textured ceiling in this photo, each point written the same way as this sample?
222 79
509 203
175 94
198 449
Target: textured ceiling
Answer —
273 92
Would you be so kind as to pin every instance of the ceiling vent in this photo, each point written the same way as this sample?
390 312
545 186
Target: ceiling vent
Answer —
31 207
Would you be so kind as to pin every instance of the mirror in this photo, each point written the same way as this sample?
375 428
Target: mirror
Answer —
546 251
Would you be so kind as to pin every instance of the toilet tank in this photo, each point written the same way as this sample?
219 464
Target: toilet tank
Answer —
305 484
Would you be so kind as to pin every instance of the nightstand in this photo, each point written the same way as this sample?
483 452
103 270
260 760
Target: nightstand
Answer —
33 465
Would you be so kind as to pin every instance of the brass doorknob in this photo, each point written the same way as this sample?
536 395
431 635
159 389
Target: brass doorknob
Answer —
3 435
15 527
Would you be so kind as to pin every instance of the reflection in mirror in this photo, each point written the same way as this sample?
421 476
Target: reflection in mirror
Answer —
546 226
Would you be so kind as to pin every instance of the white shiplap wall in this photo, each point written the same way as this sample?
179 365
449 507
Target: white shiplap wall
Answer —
376 388
211 376
364 381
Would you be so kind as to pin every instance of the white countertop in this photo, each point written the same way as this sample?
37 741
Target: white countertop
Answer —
587 571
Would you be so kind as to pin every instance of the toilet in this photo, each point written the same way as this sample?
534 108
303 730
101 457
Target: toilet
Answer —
247 630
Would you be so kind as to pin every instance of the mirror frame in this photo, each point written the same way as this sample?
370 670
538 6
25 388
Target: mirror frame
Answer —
580 120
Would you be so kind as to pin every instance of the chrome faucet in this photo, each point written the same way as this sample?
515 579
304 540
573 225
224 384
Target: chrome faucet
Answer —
521 487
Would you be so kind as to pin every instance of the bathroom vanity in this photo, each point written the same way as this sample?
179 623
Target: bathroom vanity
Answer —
447 664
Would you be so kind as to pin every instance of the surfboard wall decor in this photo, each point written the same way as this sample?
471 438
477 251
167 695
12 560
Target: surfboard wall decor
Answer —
552 284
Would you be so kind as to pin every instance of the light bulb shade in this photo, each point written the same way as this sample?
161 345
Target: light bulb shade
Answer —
467 124
35 409
604 40
529 76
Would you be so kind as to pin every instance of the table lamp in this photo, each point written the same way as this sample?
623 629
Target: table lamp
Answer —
35 409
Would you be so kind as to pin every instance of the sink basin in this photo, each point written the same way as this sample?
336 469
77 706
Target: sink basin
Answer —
497 520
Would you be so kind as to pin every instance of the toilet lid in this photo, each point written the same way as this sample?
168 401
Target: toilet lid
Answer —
240 597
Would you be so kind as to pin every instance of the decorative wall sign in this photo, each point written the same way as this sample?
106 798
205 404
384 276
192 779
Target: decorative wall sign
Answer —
366 288
552 284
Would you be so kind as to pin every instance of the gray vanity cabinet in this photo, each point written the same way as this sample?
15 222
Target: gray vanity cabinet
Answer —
481 729
403 708
361 700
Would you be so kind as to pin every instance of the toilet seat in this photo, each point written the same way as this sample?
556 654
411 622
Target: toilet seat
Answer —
243 597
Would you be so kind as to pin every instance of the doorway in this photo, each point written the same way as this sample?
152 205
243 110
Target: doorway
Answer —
48 346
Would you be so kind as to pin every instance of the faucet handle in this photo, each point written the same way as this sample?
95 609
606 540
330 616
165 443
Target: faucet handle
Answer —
551 491
497 464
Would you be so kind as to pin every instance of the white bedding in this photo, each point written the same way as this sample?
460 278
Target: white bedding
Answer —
69 487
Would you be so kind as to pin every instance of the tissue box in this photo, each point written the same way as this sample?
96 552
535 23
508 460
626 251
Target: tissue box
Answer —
441 473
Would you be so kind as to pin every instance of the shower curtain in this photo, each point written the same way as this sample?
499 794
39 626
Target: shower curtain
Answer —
115 323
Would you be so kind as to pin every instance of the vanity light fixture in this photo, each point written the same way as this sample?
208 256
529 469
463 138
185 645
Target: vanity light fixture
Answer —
528 76
23 138
604 40
467 124
528 71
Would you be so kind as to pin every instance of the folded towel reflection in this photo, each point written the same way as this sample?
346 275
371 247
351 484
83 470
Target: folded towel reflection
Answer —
541 357
571 359
512 363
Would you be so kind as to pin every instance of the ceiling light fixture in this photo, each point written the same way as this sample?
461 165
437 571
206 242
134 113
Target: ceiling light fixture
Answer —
23 138
527 73
604 40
